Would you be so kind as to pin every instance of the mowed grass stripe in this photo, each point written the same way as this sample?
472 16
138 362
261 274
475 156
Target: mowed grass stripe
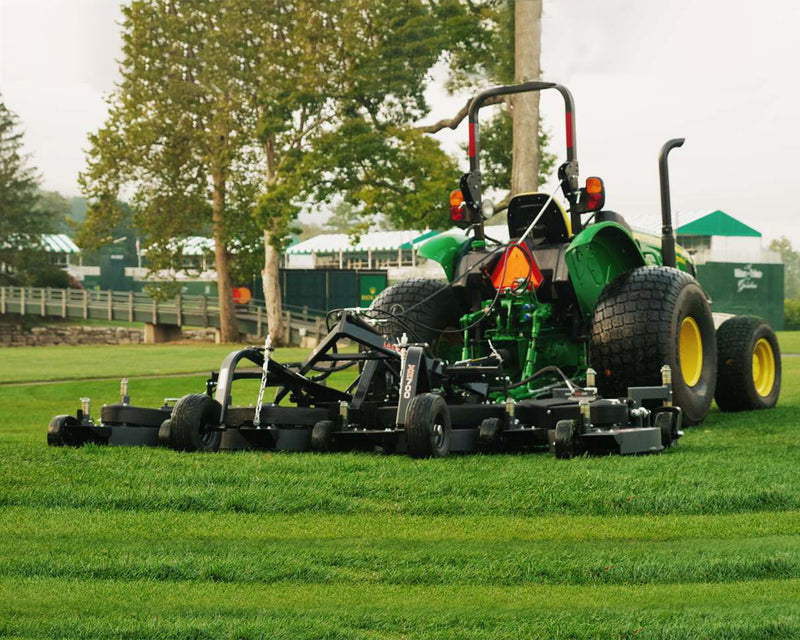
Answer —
111 525
407 562
764 609
691 480
240 548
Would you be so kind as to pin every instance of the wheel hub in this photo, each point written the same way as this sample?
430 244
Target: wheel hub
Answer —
690 351
763 368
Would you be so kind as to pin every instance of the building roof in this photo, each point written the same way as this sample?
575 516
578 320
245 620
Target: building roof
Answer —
373 241
59 243
197 246
717 223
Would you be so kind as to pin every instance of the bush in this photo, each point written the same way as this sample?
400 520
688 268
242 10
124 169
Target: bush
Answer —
791 313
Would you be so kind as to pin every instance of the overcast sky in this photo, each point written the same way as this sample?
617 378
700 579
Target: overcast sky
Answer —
722 73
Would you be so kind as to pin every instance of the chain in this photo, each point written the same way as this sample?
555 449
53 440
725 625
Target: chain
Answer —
264 369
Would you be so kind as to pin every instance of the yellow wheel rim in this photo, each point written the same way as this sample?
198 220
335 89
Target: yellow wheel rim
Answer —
763 367
690 351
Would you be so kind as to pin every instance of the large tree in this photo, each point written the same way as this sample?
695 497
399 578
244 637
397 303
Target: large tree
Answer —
24 214
178 137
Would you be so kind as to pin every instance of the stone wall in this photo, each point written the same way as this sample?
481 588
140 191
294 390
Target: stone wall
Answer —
14 335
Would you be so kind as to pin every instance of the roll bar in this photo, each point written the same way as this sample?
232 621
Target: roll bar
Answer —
471 182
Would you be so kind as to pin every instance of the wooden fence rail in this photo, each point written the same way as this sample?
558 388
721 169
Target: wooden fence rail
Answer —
132 306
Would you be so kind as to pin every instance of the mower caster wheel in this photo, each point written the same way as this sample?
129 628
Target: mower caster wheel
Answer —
668 420
489 435
164 432
565 439
322 436
428 430
194 424
59 433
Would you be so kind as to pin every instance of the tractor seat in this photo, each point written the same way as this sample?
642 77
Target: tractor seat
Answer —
553 226
612 216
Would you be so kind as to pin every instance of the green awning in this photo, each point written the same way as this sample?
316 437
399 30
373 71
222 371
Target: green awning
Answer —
717 223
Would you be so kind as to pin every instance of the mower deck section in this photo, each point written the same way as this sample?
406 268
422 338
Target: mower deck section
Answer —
372 413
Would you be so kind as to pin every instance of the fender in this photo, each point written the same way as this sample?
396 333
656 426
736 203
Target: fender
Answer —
445 249
597 255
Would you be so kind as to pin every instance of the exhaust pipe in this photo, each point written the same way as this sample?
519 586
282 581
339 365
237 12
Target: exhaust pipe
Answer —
667 232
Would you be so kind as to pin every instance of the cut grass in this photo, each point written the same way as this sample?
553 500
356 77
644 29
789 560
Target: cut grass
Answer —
81 362
789 341
703 541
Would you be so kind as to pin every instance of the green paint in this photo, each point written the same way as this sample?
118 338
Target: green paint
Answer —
650 246
596 256
444 249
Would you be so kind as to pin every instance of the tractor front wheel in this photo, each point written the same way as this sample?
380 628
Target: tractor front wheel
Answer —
749 365
428 430
650 317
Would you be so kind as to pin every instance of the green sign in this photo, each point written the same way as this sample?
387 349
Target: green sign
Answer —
745 289
369 286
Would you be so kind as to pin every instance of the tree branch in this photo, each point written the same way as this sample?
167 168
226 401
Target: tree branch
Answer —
452 123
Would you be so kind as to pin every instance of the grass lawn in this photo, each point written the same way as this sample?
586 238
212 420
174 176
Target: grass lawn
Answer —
789 341
700 542
68 362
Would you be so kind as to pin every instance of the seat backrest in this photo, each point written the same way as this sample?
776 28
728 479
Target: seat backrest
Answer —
553 226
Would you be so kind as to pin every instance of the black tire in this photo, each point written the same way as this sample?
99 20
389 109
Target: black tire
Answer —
564 441
193 424
738 389
428 430
59 433
636 329
322 436
489 435
424 309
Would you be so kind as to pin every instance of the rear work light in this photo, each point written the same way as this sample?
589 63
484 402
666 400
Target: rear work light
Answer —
517 266
457 205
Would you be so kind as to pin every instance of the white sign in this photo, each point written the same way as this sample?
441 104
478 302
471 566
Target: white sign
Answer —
747 278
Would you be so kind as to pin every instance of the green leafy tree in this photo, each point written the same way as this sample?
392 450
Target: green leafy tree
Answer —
24 214
791 267
177 137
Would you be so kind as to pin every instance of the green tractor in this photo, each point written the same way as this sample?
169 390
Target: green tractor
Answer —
580 291
577 334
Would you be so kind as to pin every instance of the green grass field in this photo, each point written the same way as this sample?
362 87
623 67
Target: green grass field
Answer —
700 542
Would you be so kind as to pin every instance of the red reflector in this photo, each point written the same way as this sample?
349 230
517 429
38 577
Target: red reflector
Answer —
516 263
457 213
569 129
594 201
471 139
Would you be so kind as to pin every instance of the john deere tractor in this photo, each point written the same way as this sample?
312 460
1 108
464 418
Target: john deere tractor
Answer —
576 334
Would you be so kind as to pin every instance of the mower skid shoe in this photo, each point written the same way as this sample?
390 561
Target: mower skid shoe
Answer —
622 441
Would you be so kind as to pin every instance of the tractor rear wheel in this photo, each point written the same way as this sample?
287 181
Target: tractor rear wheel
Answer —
650 317
418 307
193 424
428 430
749 365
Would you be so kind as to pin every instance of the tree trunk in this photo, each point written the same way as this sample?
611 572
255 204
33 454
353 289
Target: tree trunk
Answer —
229 330
272 289
527 52
270 276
